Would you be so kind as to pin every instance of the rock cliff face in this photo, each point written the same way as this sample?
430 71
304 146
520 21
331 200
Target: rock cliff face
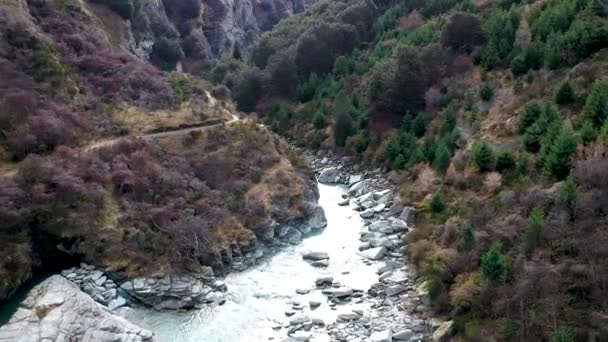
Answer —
205 29
56 310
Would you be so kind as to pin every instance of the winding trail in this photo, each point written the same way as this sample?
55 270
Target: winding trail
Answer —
10 169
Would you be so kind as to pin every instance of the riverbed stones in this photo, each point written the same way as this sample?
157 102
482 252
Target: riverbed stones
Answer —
172 292
314 304
302 291
329 175
56 310
373 253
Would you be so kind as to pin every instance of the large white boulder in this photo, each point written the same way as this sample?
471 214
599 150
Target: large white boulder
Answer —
56 310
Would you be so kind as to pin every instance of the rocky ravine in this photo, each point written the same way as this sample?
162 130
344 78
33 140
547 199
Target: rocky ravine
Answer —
399 299
206 29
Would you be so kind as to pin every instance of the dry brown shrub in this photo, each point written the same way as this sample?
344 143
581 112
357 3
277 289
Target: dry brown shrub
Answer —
492 182
451 175
418 251
591 167
466 289
448 235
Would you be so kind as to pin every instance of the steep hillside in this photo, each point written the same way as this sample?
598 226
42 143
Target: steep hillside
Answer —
492 115
73 82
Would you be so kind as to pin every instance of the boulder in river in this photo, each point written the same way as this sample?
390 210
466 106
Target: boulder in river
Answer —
314 256
324 281
329 175
317 219
56 310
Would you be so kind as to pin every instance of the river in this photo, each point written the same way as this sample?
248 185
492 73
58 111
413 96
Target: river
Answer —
257 298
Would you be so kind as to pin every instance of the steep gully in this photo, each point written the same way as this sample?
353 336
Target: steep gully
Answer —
359 289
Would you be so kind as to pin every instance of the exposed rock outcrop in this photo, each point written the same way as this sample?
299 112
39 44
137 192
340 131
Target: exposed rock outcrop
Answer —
56 310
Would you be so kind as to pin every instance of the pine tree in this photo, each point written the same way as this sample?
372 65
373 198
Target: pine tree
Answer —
565 94
318 120
596 106
588 132
392 149
494 264
529 116
505 161
448 121
399 163
344 110
419 125
559 159
486 92
437 205
442 159
483 156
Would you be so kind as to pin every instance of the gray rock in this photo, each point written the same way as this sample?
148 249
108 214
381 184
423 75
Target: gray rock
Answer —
378 195
302 291
381 336
368 213
407 214
378 225
369 197
398 225
299 319
56 308
314 304
395 290
324 281
317 219
403 335
329 175
341 292
347 317
373 253
170 292
354 179
117 303
379 208
344 202
315 256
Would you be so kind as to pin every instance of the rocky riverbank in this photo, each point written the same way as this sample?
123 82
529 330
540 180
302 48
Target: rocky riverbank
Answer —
398 300
56 310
